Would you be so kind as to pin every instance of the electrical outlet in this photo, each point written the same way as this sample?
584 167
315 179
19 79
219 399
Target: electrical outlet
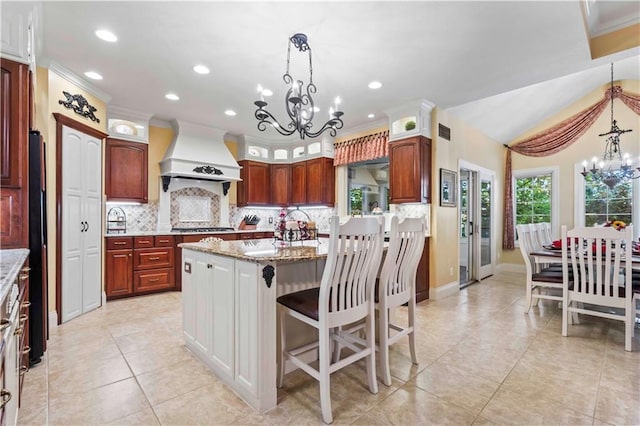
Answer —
270 220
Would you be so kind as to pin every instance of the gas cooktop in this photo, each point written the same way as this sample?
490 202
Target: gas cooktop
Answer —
203 229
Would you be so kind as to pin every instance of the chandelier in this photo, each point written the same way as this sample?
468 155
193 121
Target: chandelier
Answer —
298 102
615 167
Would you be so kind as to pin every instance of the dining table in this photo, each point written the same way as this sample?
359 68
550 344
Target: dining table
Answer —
552 255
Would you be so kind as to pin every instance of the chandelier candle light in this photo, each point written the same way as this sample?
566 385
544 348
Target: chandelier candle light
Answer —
299 105
615 167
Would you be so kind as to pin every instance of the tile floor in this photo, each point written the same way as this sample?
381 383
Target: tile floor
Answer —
482 361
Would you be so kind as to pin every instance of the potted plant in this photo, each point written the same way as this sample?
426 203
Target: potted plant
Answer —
410 125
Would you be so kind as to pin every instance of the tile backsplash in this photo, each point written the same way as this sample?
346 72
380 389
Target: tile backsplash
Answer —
140 217
188 205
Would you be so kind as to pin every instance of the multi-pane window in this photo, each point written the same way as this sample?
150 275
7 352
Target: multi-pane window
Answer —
602 204
532 198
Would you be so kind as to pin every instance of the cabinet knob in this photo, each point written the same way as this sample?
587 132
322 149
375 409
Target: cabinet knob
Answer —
5 397
130 255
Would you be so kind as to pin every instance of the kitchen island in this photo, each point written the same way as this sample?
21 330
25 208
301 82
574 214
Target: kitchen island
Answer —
229 291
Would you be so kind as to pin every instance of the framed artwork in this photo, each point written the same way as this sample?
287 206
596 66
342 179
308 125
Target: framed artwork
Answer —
448 188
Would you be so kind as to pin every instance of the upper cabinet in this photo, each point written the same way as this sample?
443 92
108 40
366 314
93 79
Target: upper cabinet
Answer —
18 32
14 128
280 184
254 189
320 181
299 183
126 171
410 170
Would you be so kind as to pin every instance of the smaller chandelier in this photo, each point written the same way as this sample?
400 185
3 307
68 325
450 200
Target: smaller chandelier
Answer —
615 167
298 102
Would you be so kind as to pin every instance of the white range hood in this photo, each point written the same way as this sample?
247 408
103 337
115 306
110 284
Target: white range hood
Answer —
198 152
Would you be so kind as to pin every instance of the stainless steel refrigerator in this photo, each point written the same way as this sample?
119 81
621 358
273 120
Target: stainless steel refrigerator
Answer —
38 311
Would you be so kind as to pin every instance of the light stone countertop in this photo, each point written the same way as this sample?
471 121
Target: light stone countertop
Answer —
10 263
264 250
151 233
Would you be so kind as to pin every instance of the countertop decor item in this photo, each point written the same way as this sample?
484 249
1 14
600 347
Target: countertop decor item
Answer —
410 125
300 106
116 221
615 166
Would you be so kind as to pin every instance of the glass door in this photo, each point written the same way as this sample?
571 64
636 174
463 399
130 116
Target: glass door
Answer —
467 269
486 230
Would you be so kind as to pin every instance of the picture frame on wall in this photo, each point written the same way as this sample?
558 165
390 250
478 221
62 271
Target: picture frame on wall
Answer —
448 188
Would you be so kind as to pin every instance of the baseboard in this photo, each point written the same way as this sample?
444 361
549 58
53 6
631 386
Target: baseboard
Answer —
53 319
511 267
443 291
104 298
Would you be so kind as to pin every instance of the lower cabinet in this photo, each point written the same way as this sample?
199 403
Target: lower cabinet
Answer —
139 265
220 318
422 275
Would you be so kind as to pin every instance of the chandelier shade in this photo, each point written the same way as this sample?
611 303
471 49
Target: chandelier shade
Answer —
615 166
299 103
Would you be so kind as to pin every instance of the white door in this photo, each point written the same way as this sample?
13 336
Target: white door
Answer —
81 223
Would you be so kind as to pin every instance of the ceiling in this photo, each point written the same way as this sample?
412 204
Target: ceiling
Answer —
501 66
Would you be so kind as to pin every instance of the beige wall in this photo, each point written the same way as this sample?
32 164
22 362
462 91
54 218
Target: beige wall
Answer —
159 140
587 146
470 145
233 189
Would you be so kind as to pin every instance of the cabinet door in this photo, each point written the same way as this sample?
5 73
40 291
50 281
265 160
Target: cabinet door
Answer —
320 180
422 274
255 188
188 280
153 258
92 216
410 170
119 273
222 302
197 289
280 184
126 171
299 183
155 279
246 326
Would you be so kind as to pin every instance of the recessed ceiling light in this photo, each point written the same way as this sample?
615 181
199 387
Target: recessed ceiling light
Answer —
230 112
138 126
106 36
201 69
371 115
375 85
172 96
93 75
267 92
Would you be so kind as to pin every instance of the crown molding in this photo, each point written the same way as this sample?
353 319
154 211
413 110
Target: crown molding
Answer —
75 79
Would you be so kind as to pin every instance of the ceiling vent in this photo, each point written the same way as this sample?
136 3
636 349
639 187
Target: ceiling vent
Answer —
444 132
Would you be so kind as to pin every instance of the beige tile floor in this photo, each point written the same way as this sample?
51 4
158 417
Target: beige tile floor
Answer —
482 361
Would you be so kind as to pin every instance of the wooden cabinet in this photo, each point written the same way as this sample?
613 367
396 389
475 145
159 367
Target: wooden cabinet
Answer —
138 265
280 184
255 187
320 181
410 170
126 171
14 122
299 183
422 275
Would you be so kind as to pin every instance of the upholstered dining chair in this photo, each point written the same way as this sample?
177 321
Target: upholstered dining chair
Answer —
345 296
397 286
544 284
600 259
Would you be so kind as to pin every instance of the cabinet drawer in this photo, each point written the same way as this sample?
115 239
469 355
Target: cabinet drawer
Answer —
164 241
143 242
117 243
153 258
262 235
153 280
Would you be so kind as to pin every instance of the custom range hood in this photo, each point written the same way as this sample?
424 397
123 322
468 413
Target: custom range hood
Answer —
198 152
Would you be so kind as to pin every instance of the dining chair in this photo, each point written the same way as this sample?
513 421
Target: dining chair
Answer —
600 259
345 296
396 287
543 284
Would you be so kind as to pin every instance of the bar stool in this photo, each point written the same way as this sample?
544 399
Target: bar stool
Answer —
346 295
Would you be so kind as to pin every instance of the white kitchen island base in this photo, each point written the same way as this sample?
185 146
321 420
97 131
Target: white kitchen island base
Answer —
229 310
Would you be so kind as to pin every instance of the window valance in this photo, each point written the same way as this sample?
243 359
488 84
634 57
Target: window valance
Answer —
369 147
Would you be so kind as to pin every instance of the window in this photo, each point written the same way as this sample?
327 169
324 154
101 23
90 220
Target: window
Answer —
368 185
535 196
602 205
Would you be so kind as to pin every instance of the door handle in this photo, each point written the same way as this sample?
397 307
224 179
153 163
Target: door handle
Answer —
82 226
87 228
470 228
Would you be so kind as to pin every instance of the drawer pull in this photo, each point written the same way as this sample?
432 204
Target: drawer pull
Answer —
119 243
26 304
154 258
18 331
23 317
144 241
23 370
153 280
24 277
4 324
25 269
26 350
164 241
5 397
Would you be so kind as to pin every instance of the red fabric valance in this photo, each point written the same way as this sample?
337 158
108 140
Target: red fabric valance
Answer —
364 148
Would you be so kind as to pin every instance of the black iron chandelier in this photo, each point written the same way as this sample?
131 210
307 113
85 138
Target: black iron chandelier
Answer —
615 166
298 102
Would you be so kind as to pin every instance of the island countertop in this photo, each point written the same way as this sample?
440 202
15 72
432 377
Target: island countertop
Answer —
10 263
264 250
